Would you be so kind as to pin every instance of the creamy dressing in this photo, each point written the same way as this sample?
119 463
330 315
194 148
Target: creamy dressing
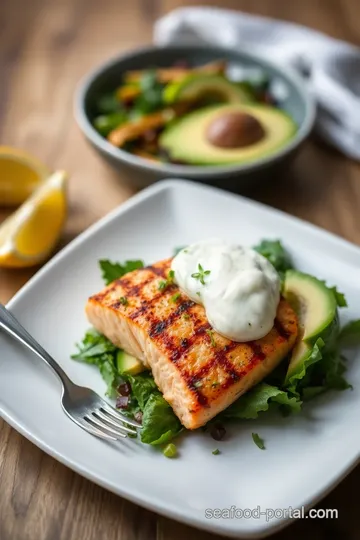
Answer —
238 287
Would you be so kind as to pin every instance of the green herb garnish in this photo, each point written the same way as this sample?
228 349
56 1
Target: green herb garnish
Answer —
169 281
175 297
210 333
170 450
124 301
216 452
258 441
186 316
200 275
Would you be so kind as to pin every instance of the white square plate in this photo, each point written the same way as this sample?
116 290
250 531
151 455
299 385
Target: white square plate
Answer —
306 455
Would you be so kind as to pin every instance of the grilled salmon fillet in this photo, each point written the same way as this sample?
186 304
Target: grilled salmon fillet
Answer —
199 372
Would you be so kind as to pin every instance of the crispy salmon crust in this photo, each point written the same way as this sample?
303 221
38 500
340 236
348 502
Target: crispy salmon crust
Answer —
199 372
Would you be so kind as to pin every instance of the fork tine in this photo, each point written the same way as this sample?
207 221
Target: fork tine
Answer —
89 428
107 418
93 430
104 428
118 416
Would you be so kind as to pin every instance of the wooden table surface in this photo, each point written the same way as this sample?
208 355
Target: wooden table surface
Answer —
45 47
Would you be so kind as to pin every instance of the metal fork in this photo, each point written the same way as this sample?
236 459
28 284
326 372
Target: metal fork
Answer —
82 405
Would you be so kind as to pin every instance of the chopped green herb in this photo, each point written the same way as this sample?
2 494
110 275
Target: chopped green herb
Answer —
124 301
200 275
198 384
210 333
258 441
165 283
215 384
199 294
170 450
186 316
175 297
216 452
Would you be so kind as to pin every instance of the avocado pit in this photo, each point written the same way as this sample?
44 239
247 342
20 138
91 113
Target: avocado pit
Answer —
234 130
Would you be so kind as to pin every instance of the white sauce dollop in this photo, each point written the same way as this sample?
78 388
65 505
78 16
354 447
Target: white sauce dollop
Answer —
238 287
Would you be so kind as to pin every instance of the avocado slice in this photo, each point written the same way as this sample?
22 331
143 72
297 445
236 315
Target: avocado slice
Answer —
206 87
316 308
126 363
187 140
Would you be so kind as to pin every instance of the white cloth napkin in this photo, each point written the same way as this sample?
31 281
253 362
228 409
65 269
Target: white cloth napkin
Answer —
334 66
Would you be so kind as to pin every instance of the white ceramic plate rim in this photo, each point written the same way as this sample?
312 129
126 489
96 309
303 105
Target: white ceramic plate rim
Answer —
132 494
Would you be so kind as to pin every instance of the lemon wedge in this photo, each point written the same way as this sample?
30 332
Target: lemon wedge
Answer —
29 235
20 175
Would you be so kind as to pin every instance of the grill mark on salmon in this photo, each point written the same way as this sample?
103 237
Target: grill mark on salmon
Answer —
182 308
197 379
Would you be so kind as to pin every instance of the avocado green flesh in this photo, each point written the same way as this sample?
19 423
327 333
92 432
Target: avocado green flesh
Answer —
316 308
196 87
128 364
186 140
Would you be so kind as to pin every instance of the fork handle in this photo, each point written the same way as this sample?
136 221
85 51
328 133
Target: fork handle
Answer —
12 327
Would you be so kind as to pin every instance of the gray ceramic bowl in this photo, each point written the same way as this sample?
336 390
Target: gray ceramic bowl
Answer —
287 86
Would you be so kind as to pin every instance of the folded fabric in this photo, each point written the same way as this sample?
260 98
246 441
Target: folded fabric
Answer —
330 67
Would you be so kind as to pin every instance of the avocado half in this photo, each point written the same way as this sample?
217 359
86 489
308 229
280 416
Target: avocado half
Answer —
316 308
185 140
197 87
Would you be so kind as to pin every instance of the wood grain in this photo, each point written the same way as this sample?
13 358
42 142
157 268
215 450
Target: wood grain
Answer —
45 48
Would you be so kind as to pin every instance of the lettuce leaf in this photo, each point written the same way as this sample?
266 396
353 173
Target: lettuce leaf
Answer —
339 297
322 370
93 345
301 370
97 350
111 271
274 252
159 424
142 386
329 372
259 400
